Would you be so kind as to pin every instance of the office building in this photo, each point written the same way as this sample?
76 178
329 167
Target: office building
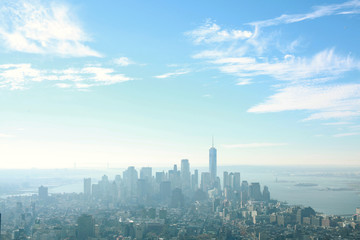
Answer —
225 180
43 192
205 181
212 163
160 177
255 192
146 173
236 183
86 227
130 177
195 180
266 194
165 190
87 186
185 174
175 178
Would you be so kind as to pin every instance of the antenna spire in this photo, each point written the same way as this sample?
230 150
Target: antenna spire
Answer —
213 141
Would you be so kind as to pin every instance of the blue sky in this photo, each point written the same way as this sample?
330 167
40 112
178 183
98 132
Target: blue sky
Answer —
147 83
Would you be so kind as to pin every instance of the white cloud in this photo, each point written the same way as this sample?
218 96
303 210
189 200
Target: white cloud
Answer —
173 74
210 32
15 75
336 123
105 76
63 85
42 27
333 101
260 42
123 61
243 81
347 134
210 54
19 76
333 115
304 79
350 7
254 145
323 66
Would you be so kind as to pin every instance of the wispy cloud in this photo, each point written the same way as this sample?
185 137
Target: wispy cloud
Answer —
336 114
336 123
123 61
173 74
254 145
323 66
306 82
63 85
42 27
210 32
350 7
207 96
347 134
19 76
312 98
335 101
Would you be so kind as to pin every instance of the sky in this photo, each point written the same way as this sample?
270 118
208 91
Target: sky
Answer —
93 84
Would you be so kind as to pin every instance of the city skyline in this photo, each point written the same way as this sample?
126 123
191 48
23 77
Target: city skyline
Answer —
92 85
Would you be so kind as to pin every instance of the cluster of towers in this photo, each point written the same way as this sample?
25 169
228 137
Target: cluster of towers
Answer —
170 186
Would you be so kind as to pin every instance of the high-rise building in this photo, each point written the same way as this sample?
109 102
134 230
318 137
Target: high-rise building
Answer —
86 227
244 191
165 190
185 174
231 180
236 180
205 181
212 162
266 194
175 178
142 188
146 173
104 186
255 192
43 192
195 180
130 177
87 186
226 180
177 198
160 176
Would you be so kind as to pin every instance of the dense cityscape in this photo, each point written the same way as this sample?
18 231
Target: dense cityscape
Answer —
168 205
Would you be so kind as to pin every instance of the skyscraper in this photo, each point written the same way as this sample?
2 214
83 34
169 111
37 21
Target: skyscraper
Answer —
195 180
226 179
185 174
87 186
205 181
212 162
236 184
43 192
86 227
130 177
146 173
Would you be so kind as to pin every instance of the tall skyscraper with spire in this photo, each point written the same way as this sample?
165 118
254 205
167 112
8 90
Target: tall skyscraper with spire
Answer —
212 162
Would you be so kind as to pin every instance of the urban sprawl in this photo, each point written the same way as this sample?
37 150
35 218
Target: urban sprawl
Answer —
168 205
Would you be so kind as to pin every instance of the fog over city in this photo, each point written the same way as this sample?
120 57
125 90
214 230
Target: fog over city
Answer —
179 120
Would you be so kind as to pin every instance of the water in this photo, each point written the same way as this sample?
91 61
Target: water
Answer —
336 191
